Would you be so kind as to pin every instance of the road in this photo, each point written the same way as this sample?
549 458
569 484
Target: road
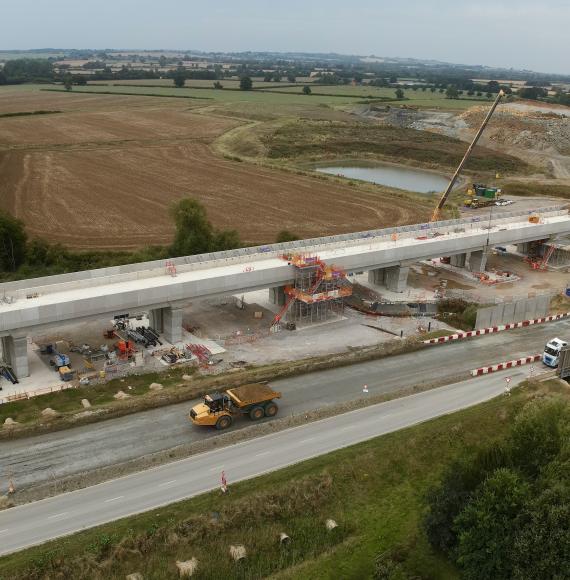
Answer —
54 455
64 514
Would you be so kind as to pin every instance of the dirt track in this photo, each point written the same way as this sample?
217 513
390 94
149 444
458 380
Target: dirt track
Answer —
106 178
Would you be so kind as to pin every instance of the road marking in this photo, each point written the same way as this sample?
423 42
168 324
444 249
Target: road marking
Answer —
306 440
3 531
114 499
219 468
57 516
166 483
264 453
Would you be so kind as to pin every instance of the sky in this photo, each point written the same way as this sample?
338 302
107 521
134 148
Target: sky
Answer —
518 34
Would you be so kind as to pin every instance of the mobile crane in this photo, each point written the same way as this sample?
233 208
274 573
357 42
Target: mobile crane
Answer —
437 211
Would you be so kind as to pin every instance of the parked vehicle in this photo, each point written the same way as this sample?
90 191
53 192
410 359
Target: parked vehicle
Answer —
219 409
551 354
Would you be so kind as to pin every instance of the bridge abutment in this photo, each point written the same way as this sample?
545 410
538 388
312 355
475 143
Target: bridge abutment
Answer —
15 352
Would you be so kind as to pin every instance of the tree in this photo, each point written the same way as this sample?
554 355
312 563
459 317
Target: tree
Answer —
451 92
393 80
245 84
277 76
399 94
12 243
3 79
432 89
267 78
194 233
286 236
486 528
218 85
307 90
291 78
179 79
68 82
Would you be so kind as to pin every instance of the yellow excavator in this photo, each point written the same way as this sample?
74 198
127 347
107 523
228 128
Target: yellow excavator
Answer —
437 211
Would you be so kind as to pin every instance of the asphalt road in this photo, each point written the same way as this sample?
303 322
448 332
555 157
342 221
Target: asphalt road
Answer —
46 457
64 514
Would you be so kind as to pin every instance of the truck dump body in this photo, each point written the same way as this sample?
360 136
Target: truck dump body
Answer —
246 395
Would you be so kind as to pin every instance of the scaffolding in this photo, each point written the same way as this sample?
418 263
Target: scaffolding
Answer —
317 293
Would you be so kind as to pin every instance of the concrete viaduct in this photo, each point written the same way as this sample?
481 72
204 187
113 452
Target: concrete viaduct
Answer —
28 306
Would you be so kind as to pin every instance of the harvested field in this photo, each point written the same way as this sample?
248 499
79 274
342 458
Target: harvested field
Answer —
119 197
103 173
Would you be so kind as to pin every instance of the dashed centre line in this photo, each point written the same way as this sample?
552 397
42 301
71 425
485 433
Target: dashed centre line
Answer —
166 483
57 516
114 499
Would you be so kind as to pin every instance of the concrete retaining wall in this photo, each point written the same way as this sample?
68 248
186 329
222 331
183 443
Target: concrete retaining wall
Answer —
525 309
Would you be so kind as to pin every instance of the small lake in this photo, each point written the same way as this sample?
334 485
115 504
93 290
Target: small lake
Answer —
394 176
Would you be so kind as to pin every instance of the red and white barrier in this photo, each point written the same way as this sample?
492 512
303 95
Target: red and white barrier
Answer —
506 365
471 333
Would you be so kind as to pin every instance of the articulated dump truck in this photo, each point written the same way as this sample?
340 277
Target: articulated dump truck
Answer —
220 409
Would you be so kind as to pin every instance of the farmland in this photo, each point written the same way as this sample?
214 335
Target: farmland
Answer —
102 173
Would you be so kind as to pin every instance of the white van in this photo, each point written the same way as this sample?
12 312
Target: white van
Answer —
551 354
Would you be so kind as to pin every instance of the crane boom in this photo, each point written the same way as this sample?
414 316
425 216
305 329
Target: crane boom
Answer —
437 211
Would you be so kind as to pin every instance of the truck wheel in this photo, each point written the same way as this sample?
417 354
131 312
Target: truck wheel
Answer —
256 413
223 422
271 409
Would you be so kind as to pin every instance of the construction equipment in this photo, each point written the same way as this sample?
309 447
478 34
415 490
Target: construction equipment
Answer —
66 374
477 202
219 409
8 374
437 211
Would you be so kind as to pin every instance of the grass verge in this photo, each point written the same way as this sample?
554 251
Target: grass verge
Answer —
374 490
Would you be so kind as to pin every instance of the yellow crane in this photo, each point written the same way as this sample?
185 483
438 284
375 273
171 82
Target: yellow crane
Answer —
437 211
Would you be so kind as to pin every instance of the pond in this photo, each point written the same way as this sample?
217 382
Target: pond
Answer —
402 177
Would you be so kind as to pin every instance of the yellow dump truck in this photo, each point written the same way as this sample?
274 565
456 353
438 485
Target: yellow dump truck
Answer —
219 409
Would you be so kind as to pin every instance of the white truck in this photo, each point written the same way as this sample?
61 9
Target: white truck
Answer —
551 354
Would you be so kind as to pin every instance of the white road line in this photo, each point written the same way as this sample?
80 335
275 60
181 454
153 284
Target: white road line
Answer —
264 453
57 516
306 440
166 483
219 468
3 531
114 499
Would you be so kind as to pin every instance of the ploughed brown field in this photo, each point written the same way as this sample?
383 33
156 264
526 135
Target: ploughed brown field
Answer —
104 173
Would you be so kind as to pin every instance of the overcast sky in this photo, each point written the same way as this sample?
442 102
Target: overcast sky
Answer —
519 34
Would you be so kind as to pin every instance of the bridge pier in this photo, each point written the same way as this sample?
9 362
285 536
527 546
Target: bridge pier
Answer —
523 248
394 278
172 323
458 260
15 352
277 295
477 261
156 319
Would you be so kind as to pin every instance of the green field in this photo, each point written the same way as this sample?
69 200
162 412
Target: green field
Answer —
374 490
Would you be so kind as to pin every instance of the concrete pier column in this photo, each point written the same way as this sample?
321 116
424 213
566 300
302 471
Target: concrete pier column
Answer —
155 319
477 261
377 276
523 248
15 351
458 260
396 278
277 295
172 323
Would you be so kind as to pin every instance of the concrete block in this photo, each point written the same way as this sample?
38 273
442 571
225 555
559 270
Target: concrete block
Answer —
509 313
483 317
497 315
542 305
520 310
